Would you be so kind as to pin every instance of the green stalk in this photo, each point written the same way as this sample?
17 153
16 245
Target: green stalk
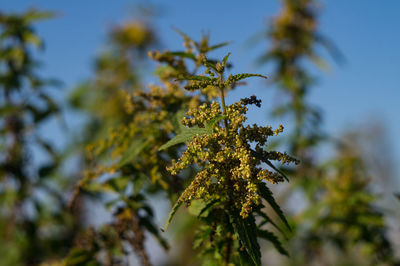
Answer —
221 89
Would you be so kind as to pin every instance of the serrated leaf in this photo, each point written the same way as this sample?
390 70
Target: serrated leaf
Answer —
246 75
225 59
269 220
175 120
185 136
266 194
171 215
274 240
246 229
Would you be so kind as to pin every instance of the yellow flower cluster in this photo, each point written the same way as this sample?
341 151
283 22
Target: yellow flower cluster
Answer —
229 168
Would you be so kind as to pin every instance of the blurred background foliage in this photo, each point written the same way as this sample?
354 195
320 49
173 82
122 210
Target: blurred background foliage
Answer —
35 225
117 166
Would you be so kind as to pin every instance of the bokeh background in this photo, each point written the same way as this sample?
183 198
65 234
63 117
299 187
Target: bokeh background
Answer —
357 89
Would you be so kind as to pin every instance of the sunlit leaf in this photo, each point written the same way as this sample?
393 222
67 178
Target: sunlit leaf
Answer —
225 59
187 134
246 75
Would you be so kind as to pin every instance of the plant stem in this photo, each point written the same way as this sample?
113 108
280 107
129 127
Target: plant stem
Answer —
228 249
228 237
221 89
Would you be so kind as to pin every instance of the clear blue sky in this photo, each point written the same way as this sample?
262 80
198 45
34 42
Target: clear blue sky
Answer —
367 87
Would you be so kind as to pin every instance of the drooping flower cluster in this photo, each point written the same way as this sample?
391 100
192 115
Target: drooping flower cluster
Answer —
230 169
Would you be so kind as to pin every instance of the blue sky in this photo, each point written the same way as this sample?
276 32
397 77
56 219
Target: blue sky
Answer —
365 88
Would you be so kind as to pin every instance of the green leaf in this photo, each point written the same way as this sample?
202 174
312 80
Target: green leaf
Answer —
33 39
197 78
34 15
247 232
397 195
153 230
118 184
185 136
268 196
182 54
211 65
196 206
209 205
185 36
46 170
162 70
109 204
175 119
269 220
225 59
136 147
274 240
218 46
46 146
245 259
201 236
171 214
246 75
319 62
80 257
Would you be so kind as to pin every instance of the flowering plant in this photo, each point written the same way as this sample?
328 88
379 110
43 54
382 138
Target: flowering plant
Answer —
230 178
